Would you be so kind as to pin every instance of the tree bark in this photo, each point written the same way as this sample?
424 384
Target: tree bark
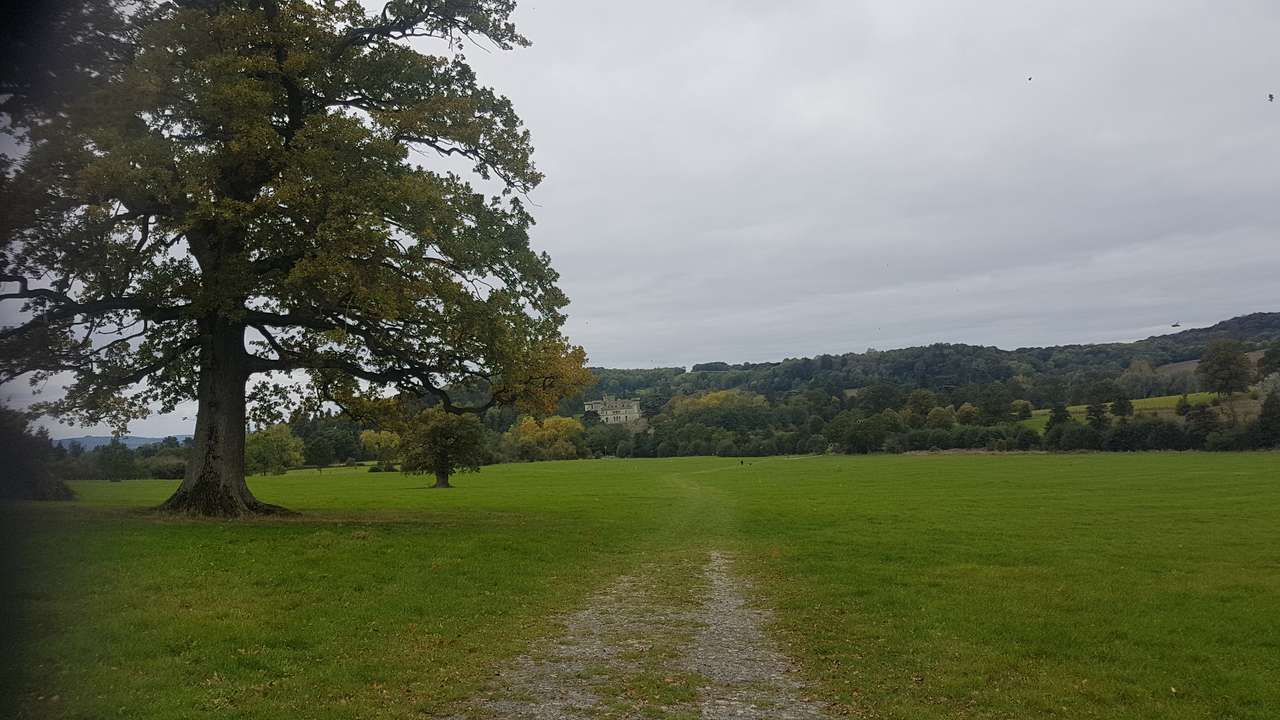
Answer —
215 485
442 479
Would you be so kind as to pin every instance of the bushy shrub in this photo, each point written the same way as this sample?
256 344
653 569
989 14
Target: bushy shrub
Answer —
165 467
603 439
927 439
75 467
553 438
867 435
967 414
1268 423
1073 436
1201 422
24 457
1021 409
1160 434
1122 437
116 462
943 418
964 437
1270 385
1146 434
895 444
971 437
1236 438
49 488
1122 407
1024 438
1183 407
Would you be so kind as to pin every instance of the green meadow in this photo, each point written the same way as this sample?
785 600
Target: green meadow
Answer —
1165 406
926 586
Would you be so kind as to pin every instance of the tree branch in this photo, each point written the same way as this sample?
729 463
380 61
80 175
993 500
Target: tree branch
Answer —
159 364
67 307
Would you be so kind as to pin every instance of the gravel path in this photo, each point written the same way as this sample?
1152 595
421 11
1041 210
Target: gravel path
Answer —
747 676
639 649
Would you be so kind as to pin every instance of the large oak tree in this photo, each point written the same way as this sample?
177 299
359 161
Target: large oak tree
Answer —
212 190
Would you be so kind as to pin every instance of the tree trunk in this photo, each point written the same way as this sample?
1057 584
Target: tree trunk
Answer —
442 479
214 485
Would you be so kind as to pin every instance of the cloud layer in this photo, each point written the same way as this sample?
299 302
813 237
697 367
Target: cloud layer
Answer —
752 180
748 180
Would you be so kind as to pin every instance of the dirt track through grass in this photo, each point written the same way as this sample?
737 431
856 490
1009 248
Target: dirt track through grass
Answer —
669 642
903 587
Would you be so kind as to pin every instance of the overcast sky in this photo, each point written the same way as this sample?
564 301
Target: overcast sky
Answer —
748 180
751 180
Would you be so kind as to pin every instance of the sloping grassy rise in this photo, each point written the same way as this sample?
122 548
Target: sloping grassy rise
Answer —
987 586
1165 406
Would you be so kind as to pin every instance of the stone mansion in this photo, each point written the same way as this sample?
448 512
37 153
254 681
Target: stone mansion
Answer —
615 410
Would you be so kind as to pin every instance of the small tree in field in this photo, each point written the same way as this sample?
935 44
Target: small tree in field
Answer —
1021 409
320 450
1183 407
116 461
273 450
1058 415
216 191
1224 368
1096 415
383 445
442 443
1122 407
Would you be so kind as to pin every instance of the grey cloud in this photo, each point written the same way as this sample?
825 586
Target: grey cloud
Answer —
747 181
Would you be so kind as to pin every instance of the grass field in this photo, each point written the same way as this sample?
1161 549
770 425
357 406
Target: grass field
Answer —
941 586
1165 406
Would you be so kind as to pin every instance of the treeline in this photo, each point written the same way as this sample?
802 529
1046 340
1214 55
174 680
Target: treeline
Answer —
319 440
1201 427
890 417
1043 376
166 460
735 423
884 416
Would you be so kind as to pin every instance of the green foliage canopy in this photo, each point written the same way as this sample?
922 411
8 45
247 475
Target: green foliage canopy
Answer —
221 190
273 450
442 443
1225 367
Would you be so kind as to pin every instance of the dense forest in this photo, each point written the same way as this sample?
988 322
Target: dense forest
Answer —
1063 373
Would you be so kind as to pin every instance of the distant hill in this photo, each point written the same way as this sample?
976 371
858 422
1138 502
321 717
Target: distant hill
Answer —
1190 365
89 442
1043 371
1257 327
